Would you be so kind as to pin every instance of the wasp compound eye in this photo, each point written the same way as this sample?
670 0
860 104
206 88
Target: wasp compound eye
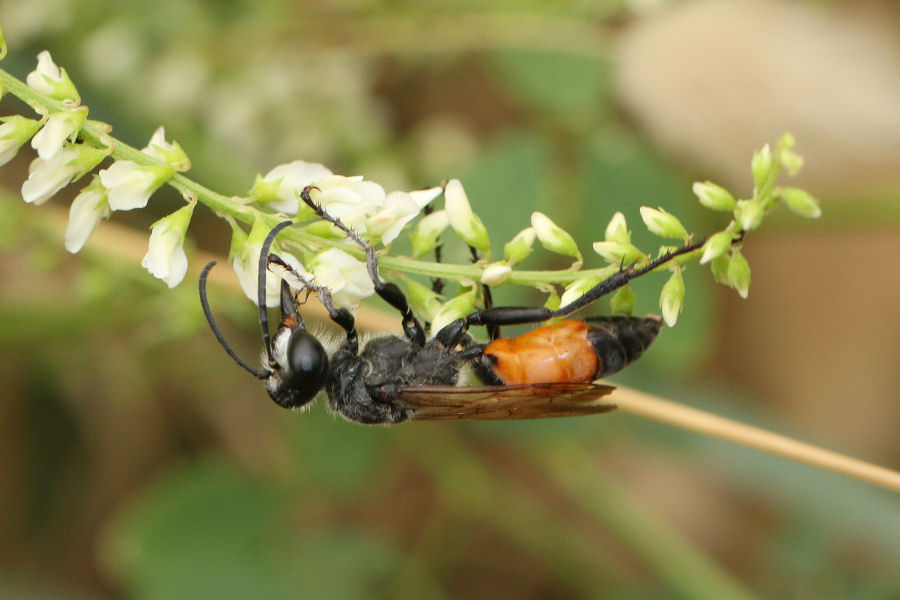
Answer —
303 371
307 366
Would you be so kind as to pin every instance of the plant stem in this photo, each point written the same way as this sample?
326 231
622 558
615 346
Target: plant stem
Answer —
658 409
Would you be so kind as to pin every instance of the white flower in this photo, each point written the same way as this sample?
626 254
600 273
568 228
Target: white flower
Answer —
49 79
165 258
399 209
84 215
350 199
345 276
14 132
46 177
246 267
59 127
279 187
169 153
130 184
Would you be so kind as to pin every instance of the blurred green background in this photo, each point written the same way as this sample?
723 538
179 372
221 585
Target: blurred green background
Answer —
137 461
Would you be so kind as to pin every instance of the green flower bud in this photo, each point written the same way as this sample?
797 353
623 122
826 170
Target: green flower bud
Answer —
762 166
577 289
671 299
617 253
713 196
424 237
553 237
517 249
622 302
617 230
465 222
749 214
801 202
425 300
455 308
717 245
719 267
738 273
662 223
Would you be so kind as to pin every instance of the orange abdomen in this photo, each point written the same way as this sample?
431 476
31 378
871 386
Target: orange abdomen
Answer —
556 353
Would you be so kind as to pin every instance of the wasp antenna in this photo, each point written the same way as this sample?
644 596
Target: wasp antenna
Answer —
261 373
261 285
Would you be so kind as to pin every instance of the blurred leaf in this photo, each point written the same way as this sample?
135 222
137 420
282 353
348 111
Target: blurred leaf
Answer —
340 457
571 86
208 531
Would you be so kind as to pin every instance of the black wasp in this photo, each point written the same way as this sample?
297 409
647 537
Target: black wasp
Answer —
547 372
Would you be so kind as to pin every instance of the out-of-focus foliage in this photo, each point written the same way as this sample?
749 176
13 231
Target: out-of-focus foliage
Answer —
139 462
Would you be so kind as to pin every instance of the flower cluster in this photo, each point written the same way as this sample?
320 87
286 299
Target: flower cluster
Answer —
69 146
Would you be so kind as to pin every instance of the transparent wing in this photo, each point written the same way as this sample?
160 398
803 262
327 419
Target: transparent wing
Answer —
525 401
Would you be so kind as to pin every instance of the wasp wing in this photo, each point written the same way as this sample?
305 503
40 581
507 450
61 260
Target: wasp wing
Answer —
521 401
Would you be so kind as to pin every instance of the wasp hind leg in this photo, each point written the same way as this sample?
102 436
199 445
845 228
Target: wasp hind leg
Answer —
389 292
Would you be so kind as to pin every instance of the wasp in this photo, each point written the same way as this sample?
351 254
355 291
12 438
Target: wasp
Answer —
548 372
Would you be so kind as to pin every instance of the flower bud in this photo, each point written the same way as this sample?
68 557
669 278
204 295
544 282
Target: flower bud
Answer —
424 237
89 206
423 299
50 80
59 127
738 273
622 302
762 166
663 224
719 268
671 299
553 237
495 273
617 230
517 249
749 214
791 161
717 245
618 253
14 132
577 289
465 222
713 196
169 153
455 308
801 202
165 258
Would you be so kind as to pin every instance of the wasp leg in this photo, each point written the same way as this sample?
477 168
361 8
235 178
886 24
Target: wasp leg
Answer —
455 331
391 294
341 316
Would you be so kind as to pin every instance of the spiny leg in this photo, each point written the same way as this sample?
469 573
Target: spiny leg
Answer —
392 294
453 333
341 316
